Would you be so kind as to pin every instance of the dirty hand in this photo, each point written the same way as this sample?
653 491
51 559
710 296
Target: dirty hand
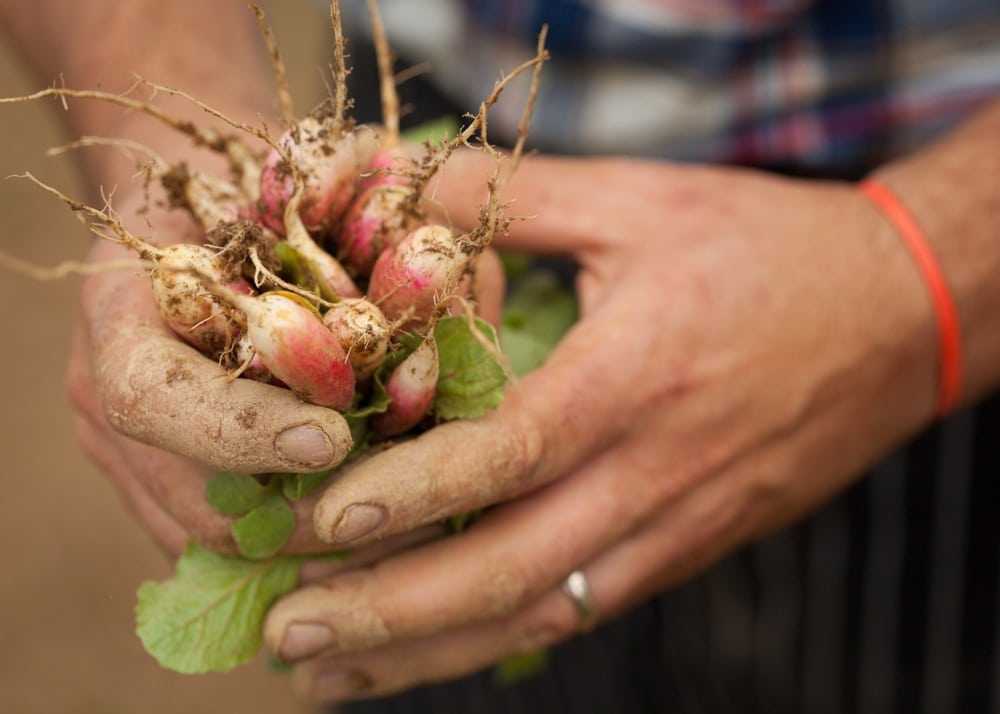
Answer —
747 345
160 418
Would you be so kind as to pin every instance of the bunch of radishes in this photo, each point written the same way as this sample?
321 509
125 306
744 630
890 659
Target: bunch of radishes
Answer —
319 256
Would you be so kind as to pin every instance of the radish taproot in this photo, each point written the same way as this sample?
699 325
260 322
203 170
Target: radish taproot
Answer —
324 147
330 279
387 206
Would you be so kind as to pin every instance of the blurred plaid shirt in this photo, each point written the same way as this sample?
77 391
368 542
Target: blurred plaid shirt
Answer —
809 83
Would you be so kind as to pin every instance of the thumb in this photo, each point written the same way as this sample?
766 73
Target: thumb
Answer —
158 390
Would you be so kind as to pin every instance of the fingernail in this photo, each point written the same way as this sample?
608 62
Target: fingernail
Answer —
341 684
358 520
305 444
303 639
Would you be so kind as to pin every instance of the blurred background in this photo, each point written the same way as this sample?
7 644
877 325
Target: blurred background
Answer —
72 558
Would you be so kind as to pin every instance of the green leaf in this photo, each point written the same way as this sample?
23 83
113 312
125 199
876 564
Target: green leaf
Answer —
538 312
515 264
234 494
378 402
359 435
458 524
471 379
524 351
434 131
277 666
263 530
208 617
519 667
301 271
296 486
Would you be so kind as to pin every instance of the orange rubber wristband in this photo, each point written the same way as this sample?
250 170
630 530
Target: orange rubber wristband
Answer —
949 337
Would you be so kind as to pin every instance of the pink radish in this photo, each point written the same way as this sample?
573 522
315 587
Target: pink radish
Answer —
363 332
298 349
411 385
321 147
381 215
408 281
210 200
387 206
331 162
187 307
389 203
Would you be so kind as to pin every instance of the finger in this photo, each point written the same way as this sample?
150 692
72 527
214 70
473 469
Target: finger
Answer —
159 391
214 531
488 287
671 547
166 491
316 570
178 488
403 665
565 202
533 436
98 443
504 561
163 486
677 541
167 533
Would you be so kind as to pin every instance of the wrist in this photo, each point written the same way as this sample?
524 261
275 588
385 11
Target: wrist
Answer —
896 362
950 191
949 341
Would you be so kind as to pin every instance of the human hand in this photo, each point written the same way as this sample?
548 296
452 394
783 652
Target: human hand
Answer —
160 418
747 344
153 388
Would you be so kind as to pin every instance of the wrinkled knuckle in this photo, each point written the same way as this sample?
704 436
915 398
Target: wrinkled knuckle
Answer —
523 451
507 591
116 405
382 619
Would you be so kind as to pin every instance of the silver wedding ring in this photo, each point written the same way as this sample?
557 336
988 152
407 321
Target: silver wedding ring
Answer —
577 587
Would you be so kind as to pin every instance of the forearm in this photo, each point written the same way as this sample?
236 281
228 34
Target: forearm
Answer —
953 190
209 49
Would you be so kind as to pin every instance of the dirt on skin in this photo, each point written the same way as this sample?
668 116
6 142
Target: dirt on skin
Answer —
162 372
